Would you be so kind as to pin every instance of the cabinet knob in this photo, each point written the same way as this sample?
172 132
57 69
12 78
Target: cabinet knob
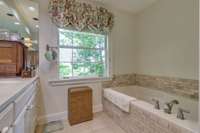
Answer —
5 130
30 107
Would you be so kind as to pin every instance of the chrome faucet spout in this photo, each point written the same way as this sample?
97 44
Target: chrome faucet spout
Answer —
169 106
175 102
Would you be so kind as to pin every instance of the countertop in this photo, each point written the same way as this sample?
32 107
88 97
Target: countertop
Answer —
11 88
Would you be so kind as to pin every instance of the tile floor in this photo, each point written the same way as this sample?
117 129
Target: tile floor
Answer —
100 124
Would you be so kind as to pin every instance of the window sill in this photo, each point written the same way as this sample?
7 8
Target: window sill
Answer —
77 81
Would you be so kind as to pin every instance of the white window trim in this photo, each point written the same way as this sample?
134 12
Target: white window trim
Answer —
77 81
82 80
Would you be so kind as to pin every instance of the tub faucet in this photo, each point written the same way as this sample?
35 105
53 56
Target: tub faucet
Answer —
180 113
156 104
169 105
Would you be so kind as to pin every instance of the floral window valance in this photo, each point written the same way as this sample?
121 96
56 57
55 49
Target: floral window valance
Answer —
80 16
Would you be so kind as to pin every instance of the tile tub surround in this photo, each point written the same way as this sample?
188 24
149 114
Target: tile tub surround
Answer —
120 80
180 86
184 87
144 119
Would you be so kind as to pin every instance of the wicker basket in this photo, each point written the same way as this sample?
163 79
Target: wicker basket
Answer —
80 104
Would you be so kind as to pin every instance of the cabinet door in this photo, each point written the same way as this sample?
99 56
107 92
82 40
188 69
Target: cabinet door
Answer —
11 57
6 118
27 121
10 130
7 130
8 58
19 124
30 115
33 115
8 53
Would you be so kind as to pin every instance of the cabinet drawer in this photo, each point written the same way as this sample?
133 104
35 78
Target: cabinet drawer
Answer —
6 117
10 69
23 99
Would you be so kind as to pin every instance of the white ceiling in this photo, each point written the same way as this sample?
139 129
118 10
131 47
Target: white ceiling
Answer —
7 22
22 14
23 7
133 6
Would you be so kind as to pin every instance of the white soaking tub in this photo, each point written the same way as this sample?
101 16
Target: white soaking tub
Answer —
144 118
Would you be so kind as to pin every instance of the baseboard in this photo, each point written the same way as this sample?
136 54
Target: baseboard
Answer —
97 108
52 117
63 115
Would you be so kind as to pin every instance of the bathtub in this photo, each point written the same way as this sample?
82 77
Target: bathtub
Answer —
143 118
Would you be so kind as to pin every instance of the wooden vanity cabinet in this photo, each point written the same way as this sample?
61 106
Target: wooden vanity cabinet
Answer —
11 58
25 110
6 119
21 113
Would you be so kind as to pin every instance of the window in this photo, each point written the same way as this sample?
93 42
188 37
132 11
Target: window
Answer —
82 54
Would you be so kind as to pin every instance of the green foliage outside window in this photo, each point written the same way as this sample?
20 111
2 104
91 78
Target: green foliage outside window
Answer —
85 54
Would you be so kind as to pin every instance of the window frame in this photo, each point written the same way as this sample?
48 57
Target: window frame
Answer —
107 71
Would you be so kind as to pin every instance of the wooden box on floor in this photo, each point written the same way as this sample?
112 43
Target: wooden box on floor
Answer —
80 104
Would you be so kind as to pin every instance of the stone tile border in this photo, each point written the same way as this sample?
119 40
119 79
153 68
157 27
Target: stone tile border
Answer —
120 80
185 87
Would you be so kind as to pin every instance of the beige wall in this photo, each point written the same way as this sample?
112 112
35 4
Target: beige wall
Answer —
199 65
158 41
54 99
123 43
167 39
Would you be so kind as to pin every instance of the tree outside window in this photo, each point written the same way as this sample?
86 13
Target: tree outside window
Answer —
82 54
